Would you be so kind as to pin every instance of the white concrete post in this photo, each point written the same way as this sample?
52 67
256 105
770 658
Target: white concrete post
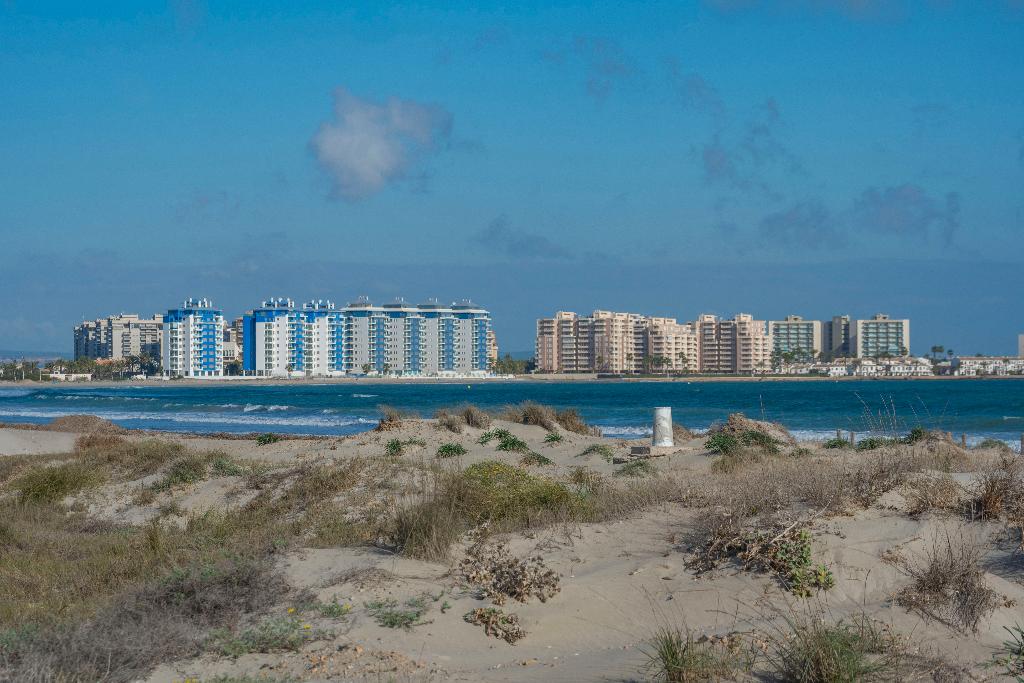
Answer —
663 427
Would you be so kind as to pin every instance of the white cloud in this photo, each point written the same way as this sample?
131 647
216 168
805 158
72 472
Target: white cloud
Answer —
369 145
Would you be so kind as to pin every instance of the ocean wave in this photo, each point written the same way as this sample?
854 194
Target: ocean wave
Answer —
625 432
365 395
257 407
1013 417
186 418
15 393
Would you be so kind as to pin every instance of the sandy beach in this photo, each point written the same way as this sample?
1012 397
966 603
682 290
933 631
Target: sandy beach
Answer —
358 597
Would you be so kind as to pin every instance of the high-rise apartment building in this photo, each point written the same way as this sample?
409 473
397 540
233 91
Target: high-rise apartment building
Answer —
280 340
118 336
1020 345
395 338
492 347
614 342
672 346
193 340
835 337
797 336
880 336
740 345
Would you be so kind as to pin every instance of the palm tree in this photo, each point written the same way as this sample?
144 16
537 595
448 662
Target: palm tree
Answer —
936 351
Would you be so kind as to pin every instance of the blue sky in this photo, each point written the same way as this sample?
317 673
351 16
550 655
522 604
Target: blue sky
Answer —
801 156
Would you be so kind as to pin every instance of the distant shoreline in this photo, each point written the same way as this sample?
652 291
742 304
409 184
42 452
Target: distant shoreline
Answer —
585 378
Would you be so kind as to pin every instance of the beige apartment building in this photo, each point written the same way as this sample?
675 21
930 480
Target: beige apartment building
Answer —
740 345
615 342
118 336
675 343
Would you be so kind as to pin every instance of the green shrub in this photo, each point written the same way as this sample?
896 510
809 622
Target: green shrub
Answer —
812 651
224 466
183 472
722 443
1012 653
916 434
603 450
450 450
676 656
389 615
394 447
490 435
513 444
836 442
275 634
268 438
53 484
553 438
873 442
760 440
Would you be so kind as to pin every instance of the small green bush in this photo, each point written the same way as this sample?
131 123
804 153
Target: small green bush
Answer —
490 435
760 440
553 438
183 472
916 434
676 656
873 442
722 443
836 442
224 466
276 634
811 651
603 450
512 444
450 450
389 615
268 438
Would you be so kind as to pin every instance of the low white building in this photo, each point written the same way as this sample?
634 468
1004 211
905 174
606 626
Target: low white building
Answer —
973 366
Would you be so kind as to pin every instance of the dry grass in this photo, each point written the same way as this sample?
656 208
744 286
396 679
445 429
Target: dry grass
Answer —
927 493
391 419
572 421
530 413
474 417
446 420
948 583
999 491
508 498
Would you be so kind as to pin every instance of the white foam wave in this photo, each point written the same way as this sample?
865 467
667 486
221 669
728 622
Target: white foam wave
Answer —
365 395
203 418
15 393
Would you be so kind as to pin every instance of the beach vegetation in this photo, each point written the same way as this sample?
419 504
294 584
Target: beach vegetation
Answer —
396 447
53 483
497 623
450 450
532 458
999 490
836 442
1010 656
445 420
390 419
267 439
499 576
948 583
512 443
273 634
992 444
490 435
389 614
722 443
552 438
809 649
636 468
572 421
676 655
474 417
601 449
185 471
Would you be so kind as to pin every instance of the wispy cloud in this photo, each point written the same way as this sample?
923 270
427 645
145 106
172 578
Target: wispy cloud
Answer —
606 65
370 145
501 238
906 211
807 225
695 92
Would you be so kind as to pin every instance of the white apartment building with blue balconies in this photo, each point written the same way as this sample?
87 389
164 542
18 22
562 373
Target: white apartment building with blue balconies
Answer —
396 338
193 340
